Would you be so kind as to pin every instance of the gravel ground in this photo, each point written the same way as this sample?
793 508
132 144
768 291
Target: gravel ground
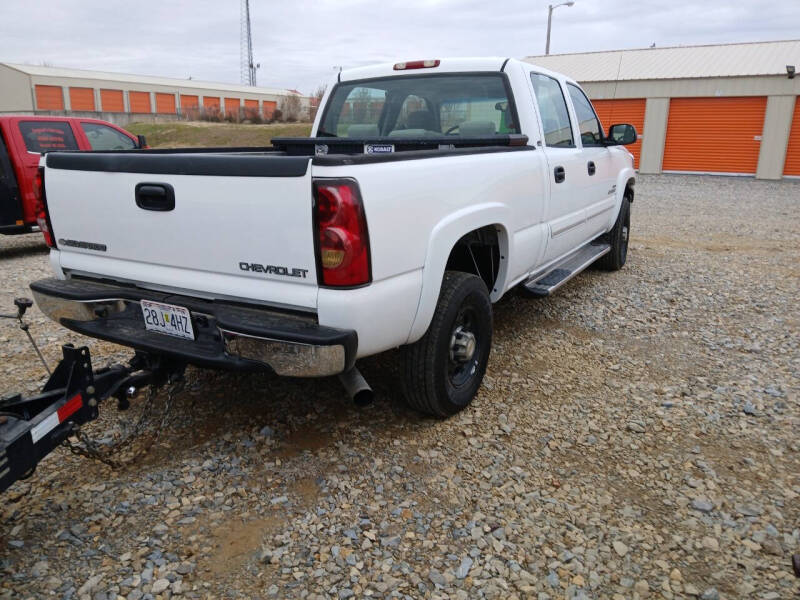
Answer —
636 436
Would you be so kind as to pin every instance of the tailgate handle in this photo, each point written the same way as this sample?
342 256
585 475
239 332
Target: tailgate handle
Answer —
155 196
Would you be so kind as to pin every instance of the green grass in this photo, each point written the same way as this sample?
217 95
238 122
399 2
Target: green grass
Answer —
203 134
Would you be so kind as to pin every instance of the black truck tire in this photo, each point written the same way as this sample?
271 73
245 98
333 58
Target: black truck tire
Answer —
443 370
618 238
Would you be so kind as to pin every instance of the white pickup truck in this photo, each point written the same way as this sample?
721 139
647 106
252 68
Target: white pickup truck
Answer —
426 191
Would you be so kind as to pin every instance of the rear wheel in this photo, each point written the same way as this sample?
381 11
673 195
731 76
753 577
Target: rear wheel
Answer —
618 238
443 370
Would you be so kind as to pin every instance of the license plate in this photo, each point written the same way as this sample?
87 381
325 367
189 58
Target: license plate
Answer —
168 319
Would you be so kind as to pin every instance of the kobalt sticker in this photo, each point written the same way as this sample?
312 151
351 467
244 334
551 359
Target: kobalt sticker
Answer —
378 148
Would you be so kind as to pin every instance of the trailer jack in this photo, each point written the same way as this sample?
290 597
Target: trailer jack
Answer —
32 427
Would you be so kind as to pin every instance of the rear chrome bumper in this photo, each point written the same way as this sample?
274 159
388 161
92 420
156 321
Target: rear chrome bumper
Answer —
226 335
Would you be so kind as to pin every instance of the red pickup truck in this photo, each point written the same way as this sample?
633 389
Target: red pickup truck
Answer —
24 138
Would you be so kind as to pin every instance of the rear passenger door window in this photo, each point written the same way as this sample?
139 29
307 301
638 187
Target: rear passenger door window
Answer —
47 136
103 137
553 111
588 123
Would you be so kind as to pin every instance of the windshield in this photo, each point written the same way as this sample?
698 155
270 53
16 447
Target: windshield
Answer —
421 106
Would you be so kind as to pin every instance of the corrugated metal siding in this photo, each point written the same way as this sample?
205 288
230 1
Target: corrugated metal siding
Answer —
140 102
722 60
49 97
715 135
623 111
81 98
112 100
792 164
165 104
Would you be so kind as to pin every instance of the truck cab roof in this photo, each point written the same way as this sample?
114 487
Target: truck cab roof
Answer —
446 65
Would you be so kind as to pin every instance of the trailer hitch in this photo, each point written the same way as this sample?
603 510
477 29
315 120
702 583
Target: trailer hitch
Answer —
32 427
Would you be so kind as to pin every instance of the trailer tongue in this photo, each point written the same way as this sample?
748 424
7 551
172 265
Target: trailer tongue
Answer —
32 427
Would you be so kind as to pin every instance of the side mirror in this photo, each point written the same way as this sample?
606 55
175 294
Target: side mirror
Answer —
621 134
142 141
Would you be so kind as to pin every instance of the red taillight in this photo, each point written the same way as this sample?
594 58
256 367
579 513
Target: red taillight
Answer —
416 64
42 218
342 238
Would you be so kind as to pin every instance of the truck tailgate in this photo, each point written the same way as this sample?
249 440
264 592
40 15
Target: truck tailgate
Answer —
241 225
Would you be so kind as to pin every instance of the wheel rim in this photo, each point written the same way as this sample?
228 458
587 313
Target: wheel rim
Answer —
462 363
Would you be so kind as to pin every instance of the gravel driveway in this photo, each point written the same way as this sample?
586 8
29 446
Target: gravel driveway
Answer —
636 436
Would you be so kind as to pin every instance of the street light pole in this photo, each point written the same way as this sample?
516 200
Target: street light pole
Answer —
550 9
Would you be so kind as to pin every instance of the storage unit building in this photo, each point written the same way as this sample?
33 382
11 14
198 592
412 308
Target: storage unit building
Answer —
118 97
723 109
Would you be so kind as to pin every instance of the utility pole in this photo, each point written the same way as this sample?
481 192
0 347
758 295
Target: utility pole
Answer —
550 22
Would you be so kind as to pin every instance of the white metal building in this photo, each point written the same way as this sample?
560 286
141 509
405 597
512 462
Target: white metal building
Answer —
120 97
726 109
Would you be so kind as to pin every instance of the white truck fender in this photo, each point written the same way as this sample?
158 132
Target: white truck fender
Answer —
443 238
624 176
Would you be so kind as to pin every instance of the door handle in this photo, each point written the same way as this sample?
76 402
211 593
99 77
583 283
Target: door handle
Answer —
591 168
159 197
560 174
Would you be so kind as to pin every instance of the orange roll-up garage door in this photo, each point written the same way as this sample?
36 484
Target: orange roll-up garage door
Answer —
111 101
714 135
81 98
250 108
189 102
140 102
232 106
628 110
165 104
210 101
49 97
269 108
792 165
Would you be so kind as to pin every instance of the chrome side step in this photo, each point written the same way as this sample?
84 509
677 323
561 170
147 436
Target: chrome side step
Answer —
546 283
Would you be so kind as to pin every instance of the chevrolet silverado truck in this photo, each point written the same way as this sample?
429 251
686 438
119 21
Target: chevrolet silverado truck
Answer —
427 190
24 138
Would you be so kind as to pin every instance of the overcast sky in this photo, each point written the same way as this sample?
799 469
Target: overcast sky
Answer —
299 42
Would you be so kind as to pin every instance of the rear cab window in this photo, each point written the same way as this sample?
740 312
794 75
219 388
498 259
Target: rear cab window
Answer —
466 105
47 136
103 137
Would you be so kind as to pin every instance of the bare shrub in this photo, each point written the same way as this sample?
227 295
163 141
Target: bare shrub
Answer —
316 100
289 107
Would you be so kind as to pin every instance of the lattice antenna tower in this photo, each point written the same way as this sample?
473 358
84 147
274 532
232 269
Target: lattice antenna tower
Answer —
247 66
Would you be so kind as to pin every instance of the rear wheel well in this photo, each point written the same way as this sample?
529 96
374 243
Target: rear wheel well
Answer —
478 252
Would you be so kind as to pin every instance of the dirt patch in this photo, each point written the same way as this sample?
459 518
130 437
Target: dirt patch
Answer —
237 541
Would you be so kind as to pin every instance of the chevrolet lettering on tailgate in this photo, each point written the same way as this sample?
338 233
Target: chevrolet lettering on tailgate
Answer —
273 270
